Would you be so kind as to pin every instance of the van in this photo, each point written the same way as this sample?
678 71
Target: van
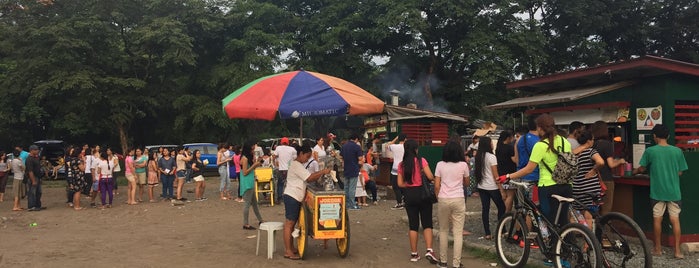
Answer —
53 150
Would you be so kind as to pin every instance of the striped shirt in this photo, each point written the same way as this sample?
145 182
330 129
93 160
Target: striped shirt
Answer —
583 187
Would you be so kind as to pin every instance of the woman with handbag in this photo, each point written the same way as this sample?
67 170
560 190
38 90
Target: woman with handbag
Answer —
486 173
417 204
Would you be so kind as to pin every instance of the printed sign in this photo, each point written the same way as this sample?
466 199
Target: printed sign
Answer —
329 209
647 118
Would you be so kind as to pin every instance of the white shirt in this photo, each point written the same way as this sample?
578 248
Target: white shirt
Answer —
311 165
573 143
398 152
321 151
88 164
487 179
296 181
17 169
105 168
285 154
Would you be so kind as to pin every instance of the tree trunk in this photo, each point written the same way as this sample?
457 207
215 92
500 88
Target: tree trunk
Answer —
123 139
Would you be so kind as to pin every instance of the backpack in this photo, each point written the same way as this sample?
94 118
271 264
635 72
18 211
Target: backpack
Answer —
566 165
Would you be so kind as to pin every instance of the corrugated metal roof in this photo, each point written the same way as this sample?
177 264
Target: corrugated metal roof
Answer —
560 96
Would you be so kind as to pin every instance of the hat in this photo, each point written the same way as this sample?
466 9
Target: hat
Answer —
330 134
285 140
33 147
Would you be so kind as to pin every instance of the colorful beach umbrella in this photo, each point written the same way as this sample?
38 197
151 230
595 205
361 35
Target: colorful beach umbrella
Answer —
299 94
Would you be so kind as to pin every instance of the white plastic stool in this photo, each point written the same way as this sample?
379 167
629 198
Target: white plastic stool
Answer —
271 228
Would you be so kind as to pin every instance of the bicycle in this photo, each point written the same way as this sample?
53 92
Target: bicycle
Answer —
572 245
620 236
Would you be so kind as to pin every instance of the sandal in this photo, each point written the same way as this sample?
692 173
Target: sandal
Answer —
293 257
79 208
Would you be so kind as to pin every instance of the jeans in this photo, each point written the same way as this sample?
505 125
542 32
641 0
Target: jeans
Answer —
168 181
371 186
250 200
451 210
225 184
34 195
350 190
486 196
188 175
106 187
549 205
397 190
281 182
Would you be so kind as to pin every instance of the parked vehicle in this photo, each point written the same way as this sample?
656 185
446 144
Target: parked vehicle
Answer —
208 152
53 150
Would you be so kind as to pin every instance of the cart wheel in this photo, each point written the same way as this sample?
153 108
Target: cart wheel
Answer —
302 240
343 244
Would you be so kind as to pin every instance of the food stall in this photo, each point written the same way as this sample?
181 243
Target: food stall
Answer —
430 129
631 96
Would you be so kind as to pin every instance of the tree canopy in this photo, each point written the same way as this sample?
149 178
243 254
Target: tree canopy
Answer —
138 72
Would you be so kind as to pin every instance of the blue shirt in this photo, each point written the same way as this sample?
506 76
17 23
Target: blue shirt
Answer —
350 154
23 155
524 149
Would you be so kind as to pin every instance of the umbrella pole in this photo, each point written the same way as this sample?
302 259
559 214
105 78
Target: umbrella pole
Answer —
301 128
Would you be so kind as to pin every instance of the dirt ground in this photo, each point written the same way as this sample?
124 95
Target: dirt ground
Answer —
203 234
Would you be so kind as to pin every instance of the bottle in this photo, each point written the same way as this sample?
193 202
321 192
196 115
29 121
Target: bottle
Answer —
581 219
543 229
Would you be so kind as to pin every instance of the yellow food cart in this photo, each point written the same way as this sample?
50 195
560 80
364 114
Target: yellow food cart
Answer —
323 216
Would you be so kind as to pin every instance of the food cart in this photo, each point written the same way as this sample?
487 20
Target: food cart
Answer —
631 96
323 214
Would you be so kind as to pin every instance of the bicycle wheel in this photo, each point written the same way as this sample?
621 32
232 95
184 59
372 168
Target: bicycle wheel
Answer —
577 247
623 243
511 233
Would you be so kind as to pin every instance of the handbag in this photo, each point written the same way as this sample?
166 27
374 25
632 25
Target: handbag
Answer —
427 187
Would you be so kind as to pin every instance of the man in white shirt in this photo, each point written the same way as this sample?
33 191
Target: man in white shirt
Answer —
396 148
283 156
574 130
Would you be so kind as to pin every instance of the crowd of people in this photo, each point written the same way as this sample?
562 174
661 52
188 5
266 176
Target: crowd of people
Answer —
530 155
482 169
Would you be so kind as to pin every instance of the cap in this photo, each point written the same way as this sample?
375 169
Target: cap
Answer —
330 134
33 147
285 140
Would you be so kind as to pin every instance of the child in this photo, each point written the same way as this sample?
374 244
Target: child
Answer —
46 165
368 170
360 192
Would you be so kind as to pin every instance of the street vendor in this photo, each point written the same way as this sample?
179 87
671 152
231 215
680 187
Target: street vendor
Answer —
294 194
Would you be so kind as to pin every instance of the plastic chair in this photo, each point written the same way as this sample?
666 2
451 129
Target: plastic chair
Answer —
264 184
271 228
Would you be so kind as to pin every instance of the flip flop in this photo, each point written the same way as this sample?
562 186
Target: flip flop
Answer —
679 257
19 209
294 257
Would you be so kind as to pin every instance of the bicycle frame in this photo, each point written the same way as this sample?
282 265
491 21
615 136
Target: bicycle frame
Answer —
526 208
